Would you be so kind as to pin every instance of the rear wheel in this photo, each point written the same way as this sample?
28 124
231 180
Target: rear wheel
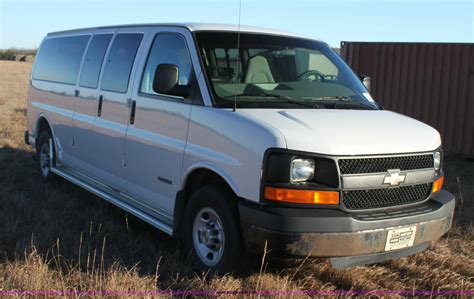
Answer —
44 157
211 230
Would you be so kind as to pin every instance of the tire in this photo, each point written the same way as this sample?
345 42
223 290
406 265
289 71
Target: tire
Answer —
217 244
43 156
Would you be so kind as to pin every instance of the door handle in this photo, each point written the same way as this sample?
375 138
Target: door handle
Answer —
132 113
99 108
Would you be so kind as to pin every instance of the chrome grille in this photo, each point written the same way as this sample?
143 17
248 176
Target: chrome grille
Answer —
382 164
386 197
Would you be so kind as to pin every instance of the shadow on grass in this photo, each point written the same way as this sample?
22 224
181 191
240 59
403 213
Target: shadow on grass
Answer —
84 231
60 219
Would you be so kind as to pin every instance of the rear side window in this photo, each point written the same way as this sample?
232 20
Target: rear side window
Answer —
120 61
93 60
59 59
167 48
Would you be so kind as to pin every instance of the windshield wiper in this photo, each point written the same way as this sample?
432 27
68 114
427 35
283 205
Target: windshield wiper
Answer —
281 98
345 99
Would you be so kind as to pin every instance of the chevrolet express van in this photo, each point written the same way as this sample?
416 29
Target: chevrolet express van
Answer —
231 140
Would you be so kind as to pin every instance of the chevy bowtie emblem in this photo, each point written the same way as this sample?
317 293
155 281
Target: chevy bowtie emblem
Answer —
394 178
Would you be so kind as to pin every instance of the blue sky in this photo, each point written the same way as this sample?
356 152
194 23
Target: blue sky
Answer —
24 23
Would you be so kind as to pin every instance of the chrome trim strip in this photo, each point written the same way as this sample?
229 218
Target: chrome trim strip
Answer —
153 138
84 118
146 206
60 111
110 125
370 181
115 201
78 175
342 157
98 122
358 185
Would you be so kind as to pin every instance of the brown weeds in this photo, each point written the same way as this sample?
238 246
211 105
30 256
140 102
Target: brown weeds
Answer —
59 237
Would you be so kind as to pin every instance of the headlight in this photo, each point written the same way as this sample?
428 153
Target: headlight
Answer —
301 170
284 168
437 160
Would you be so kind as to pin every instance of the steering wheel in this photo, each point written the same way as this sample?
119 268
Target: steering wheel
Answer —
305 76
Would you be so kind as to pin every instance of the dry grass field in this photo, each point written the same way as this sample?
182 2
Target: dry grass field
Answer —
59 237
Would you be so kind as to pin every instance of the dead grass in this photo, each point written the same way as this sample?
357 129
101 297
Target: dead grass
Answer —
59 237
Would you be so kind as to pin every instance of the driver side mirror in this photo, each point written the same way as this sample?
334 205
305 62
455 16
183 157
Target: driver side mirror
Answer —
166 81
366 81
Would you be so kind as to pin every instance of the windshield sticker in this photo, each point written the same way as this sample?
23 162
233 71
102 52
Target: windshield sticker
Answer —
368 97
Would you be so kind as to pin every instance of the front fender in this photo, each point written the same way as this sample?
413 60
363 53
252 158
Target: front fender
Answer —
214 168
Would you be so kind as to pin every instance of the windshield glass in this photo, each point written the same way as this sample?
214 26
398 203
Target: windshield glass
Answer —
278 72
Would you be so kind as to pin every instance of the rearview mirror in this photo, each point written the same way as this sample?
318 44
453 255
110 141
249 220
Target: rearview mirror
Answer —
166 81
366 81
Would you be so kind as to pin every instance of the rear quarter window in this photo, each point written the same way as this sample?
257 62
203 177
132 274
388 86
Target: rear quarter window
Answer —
59 59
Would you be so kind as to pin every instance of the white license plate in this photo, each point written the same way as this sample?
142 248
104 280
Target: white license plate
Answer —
400 238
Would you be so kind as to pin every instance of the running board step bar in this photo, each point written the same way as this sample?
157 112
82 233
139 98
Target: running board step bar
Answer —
65 174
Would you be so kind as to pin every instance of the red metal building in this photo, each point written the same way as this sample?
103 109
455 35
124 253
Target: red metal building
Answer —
432 82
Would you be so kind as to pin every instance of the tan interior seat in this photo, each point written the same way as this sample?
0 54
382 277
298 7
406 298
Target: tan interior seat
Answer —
258 71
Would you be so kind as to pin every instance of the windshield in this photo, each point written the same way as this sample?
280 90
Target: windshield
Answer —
278 72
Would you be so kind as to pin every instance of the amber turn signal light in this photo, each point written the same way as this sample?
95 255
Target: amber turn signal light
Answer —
438 184
302 196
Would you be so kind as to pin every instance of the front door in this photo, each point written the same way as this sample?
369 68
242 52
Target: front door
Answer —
157 138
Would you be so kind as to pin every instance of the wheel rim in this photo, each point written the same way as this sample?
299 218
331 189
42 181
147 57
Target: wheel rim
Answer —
208 237
45 159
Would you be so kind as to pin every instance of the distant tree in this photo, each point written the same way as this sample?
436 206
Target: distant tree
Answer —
7 55
23 51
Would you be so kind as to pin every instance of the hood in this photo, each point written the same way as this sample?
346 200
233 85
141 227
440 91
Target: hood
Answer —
349 132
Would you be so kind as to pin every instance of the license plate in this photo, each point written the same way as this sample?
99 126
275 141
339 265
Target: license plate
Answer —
400 238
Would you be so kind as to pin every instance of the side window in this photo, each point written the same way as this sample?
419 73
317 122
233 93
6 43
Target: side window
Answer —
59 59
120 61
167 48
93 60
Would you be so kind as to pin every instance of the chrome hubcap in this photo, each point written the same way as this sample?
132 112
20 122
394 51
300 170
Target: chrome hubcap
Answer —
45 159
208 236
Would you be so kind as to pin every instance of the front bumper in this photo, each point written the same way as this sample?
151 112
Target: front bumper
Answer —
333 233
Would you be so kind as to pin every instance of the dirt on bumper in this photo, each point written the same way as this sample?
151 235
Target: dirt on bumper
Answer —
336 244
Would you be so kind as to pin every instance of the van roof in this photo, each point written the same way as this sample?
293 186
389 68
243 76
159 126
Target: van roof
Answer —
195 27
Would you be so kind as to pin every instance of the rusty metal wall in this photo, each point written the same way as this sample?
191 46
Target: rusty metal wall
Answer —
432 82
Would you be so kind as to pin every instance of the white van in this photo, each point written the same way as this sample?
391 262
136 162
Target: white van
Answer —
234 139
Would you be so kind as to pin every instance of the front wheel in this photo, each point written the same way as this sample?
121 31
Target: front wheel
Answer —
212 231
